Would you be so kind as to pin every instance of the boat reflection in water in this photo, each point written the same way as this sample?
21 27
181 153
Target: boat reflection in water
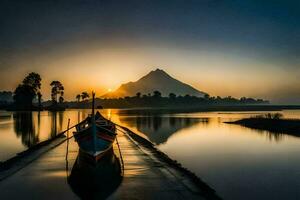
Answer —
90 180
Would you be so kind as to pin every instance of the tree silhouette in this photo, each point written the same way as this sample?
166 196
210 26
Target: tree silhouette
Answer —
172 96
23 95
61 99
138 94
57 89
33 80
78 96
26 92
84 95
156 94
206 96
24 128
156 100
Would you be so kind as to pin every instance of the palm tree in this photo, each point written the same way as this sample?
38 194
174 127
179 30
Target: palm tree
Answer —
57 88
84 95
78 96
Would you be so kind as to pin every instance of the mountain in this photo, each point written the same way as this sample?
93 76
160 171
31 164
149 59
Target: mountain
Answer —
155 80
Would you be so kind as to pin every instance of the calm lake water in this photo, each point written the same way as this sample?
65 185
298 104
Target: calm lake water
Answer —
238 162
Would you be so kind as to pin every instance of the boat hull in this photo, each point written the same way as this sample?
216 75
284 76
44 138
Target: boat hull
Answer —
94 147
93 158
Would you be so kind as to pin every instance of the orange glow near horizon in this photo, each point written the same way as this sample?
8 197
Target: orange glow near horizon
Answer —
101 68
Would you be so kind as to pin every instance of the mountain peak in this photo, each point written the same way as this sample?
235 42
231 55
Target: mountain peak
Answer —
159 80
158 71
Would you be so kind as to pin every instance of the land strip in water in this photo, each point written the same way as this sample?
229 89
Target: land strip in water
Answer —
280 126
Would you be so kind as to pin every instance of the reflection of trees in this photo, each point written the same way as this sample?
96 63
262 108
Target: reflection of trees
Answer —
274 136
57 119
271 136
24 128
159 128
78 116
53 123
154 122
39 122
157 122
60 120
84 115
56 122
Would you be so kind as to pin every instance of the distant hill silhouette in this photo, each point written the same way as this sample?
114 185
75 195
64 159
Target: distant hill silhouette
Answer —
155 80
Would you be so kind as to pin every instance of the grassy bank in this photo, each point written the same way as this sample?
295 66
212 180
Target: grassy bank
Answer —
273 123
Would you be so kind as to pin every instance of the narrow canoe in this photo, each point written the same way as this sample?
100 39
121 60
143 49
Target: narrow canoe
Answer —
94 140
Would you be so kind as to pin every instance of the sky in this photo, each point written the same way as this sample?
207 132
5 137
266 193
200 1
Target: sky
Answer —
223 47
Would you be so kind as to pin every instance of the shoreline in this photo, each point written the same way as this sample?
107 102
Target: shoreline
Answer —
23 158
276 126
208 192
204 108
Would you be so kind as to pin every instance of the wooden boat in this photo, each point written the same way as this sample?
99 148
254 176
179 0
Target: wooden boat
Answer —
95 136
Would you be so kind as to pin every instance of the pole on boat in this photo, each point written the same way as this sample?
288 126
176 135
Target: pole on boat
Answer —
94 123
67 151
93 104
68 139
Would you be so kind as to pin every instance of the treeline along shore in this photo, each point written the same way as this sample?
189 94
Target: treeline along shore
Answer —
174 103
186 105
28 96
271 122
157 100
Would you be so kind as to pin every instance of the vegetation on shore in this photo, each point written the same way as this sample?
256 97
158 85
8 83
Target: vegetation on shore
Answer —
271 122
84 96
57 93
26 92
157 100
28 96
